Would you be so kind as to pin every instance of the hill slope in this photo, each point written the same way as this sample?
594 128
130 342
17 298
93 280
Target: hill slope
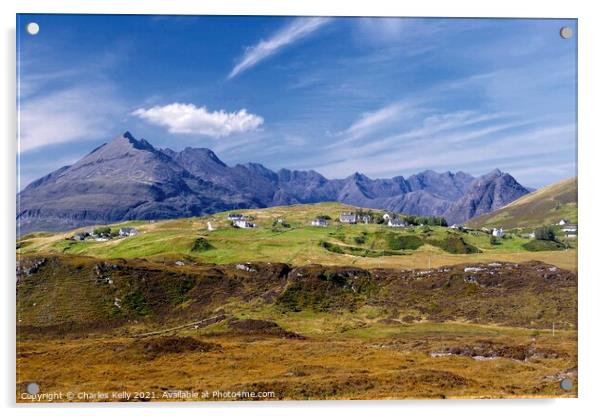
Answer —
544 206
112 293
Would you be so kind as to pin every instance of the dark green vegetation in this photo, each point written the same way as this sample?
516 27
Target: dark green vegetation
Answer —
545 233
544 206
403 242
116 292
544 245
455 245
200 245
396 244
426 220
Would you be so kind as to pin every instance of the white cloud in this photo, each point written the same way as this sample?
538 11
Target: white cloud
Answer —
66 115
297 29
190 119
369 121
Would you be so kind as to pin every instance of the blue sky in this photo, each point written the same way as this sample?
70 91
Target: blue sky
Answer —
380 96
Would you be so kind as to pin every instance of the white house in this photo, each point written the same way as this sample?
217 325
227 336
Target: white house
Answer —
210 226
455 226
397 223
563 222
570 231
319 222
243 224
498 232
127 231
348 218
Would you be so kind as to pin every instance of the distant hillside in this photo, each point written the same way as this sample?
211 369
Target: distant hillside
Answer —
544 206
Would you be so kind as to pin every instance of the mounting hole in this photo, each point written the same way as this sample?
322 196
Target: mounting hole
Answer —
33 388
566 384
32 28
566 32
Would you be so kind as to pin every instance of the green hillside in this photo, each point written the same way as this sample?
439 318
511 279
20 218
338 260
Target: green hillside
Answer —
544 206
285 234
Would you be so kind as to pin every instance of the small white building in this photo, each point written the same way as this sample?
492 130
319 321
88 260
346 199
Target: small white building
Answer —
210 226
397 223
348 218
455 226
127 231
498 232
243 224
563 222
319 222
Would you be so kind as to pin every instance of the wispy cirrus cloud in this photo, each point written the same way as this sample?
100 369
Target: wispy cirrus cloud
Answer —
371 121
67 115
299 28
190 119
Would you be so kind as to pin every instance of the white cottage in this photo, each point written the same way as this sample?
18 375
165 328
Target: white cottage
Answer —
243 224
348 218
397 223
319 222
127 231
498 232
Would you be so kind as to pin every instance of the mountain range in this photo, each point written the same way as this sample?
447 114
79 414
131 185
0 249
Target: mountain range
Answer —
128 179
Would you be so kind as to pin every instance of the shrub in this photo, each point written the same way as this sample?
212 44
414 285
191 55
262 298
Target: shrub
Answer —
360 239
545 233
200 244
455 245
102 230
543 245
494 241
333 248
136 302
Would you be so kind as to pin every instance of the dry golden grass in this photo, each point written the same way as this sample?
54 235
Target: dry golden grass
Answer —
351 367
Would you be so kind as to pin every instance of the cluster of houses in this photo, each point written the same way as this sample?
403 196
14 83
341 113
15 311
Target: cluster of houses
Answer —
569 230
103 236
240 221
390 220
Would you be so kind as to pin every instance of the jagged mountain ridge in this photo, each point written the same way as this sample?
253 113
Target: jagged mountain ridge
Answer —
129 179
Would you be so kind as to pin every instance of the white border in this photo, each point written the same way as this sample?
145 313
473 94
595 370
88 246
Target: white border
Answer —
590 243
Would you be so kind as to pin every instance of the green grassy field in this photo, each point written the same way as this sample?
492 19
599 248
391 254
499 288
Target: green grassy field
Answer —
297 242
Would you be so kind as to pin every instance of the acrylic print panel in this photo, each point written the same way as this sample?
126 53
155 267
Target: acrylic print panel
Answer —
267 208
